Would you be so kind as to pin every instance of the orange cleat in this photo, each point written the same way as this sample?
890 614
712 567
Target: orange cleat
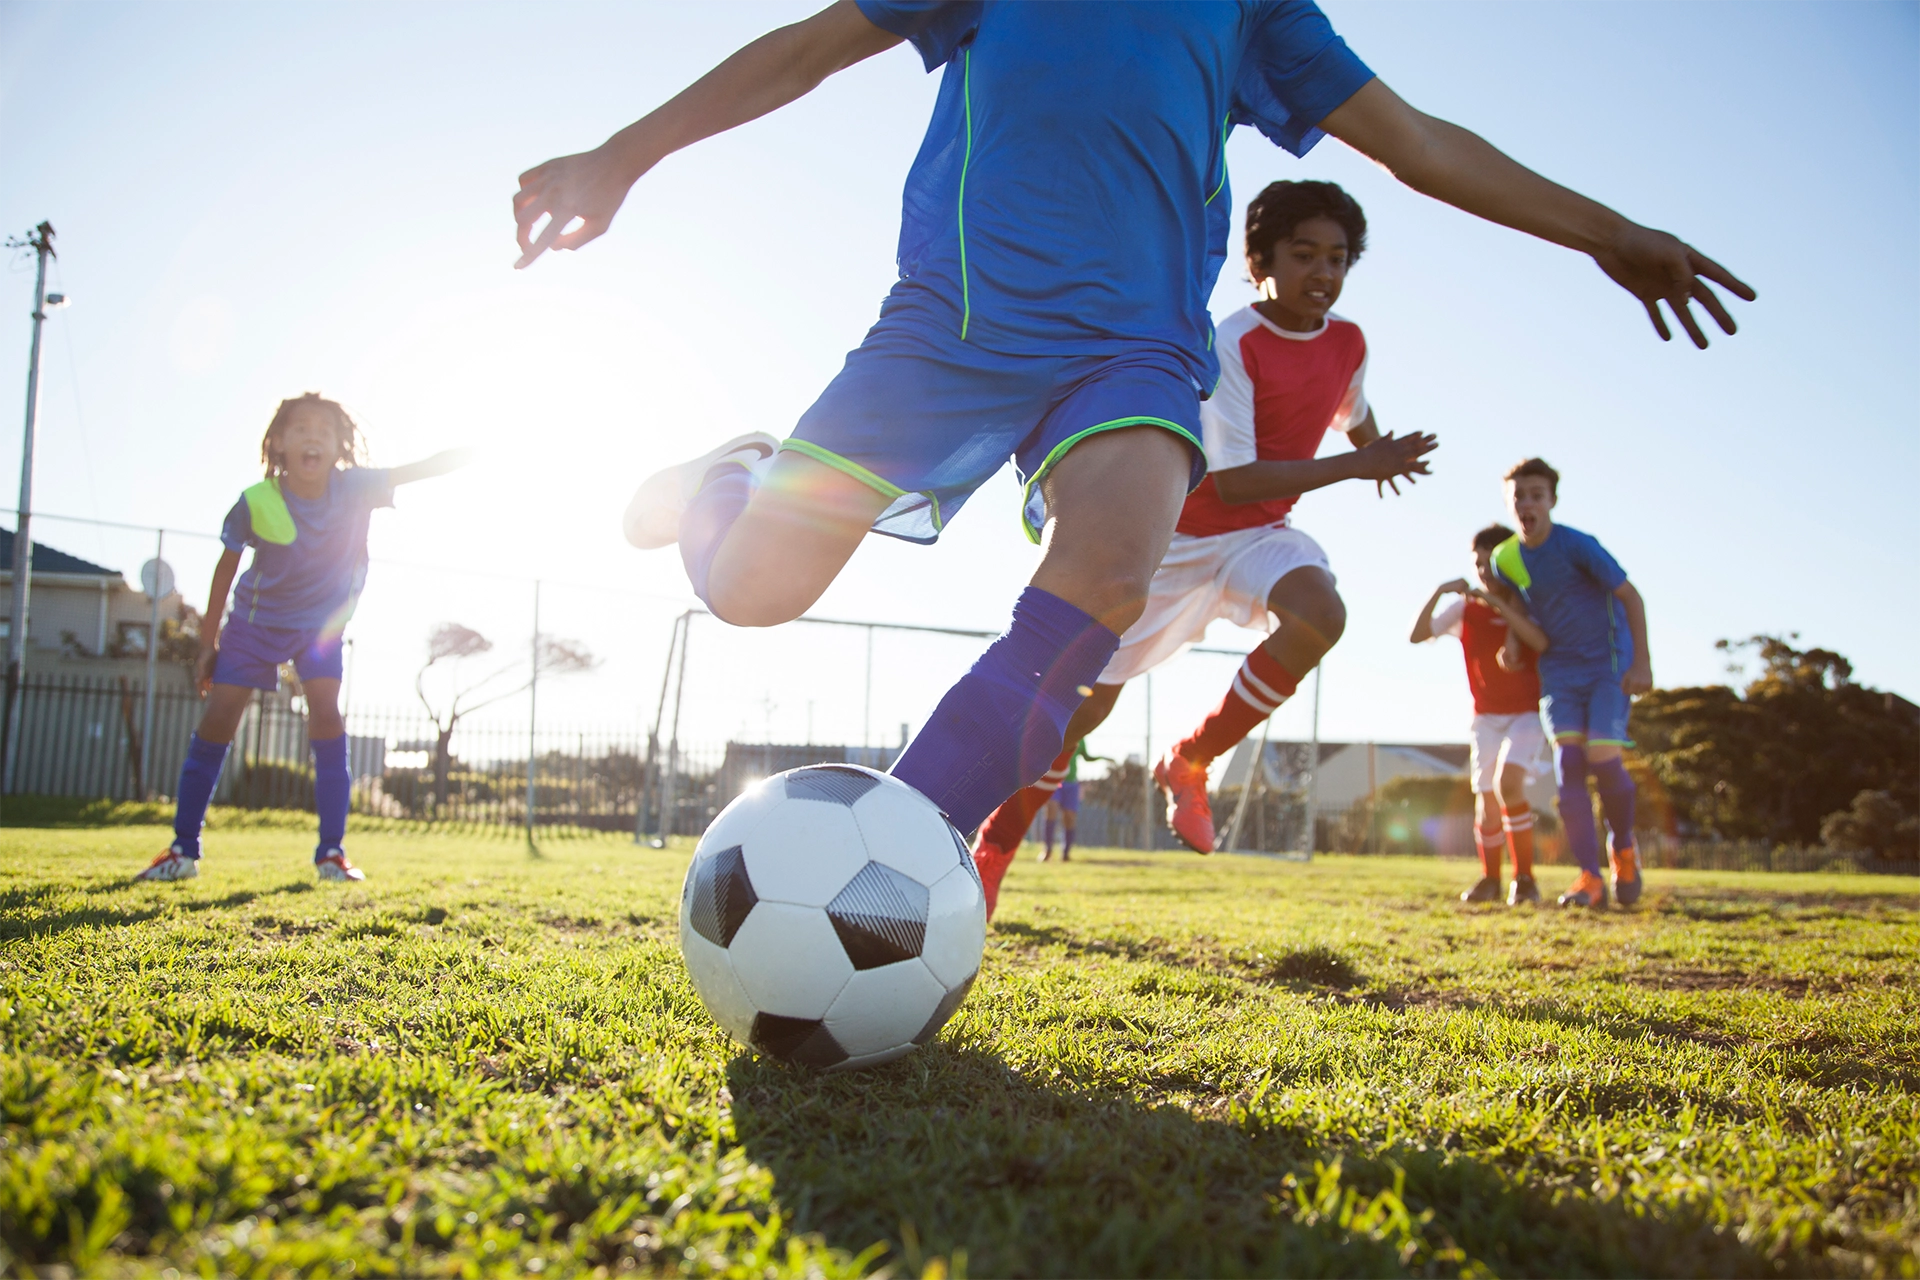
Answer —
1588 890
1626 876
1189 812
991 861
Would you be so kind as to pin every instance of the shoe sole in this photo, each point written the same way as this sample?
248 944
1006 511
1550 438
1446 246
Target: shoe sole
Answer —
652 517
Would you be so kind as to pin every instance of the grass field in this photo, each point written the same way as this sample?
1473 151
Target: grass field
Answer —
484 1061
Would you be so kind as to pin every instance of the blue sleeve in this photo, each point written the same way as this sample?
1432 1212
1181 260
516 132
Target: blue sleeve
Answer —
236 531
937 28
1294 73
369 486
1599 564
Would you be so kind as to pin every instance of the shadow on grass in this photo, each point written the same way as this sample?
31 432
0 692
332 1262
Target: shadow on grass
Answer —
1306 968
948 1151
16 904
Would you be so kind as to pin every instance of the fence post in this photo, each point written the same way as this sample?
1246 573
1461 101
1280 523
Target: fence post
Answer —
533 710
1146 770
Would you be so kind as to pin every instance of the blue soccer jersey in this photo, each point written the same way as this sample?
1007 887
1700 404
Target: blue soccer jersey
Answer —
1070 198
310 581
1568 583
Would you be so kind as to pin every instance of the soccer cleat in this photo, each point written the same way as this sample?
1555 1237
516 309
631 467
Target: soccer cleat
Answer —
653 516
1588 890
1189 812
1626 876
1523 892
174 864
1485 889
991 861
1045 855
333 865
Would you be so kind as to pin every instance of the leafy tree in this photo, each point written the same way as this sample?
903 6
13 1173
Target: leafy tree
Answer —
461 694
1874 824
1772 762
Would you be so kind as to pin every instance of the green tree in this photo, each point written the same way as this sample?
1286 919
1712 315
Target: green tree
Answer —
1774 761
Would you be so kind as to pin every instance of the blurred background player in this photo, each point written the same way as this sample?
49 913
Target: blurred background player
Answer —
1593 660
1509 748
307 525
1030 321
1063 806
1290 372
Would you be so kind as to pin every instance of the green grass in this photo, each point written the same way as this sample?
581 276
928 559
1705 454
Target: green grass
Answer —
483 1061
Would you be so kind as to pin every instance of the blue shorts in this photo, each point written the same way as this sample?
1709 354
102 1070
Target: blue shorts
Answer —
250 655
1068 796
1591 704
926 419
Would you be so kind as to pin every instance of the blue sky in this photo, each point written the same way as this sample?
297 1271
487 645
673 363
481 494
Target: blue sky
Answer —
256 201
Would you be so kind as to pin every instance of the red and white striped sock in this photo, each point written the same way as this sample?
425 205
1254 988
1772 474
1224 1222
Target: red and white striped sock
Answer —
1259 687
1491 845
1007 826
1518 822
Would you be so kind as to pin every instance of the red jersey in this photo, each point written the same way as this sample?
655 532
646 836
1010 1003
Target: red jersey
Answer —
1279 393
1483 632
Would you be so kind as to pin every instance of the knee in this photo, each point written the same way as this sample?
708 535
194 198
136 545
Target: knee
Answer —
752 608
1115 595
1320 611
324 723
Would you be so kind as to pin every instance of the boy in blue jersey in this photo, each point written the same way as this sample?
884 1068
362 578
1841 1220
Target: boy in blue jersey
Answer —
307 525
1593 663
1061 231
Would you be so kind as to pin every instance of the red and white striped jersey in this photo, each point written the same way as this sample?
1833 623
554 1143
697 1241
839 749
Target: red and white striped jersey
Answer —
1279 393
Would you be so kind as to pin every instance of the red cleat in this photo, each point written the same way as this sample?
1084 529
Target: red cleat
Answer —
1189 812
991 861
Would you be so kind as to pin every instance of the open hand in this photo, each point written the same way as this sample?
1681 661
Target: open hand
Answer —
1390 458
578 195
203 670
1654 267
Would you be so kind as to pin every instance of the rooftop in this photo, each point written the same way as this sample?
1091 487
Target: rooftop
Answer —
48 559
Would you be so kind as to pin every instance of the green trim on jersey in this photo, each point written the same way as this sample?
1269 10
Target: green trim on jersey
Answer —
1512 567
267 511
885 488
960 205
1060 451
1226 128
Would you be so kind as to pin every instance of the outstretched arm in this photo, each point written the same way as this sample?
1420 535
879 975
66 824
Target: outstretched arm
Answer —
1381 459
223 571
1449 163
780 66
427 468
1423 625
1639 677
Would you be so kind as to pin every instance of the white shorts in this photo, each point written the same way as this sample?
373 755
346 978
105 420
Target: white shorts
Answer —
1226 575
1500 741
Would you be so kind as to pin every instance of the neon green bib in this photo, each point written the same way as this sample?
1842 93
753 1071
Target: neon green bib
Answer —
267 509
1507 559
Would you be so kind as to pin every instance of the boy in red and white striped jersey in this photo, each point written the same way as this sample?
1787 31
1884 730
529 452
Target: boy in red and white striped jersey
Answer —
1290 373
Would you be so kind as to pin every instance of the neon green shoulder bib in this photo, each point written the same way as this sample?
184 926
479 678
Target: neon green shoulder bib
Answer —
267 509
1507 559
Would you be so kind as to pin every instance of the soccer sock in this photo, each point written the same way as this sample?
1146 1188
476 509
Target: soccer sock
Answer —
703 525
1490 844
1518 821
1576 810
995 731
1616 801
1007 827
198 776
1259 687
1049 834
1066 841
332 790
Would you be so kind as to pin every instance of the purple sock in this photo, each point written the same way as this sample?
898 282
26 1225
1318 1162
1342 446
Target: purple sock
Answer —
1616 801
1066 842
198 776
1576 810
1000 727
1048 826
703 525
332 790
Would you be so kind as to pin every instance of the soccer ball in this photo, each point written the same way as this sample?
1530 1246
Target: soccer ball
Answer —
832 917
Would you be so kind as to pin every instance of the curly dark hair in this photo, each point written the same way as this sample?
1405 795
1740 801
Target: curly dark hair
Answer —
1275 212
1491 536
352 447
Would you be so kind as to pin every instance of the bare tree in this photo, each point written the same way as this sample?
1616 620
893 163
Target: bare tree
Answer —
452 643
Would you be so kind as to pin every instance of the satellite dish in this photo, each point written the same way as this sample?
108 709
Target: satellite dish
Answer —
156 579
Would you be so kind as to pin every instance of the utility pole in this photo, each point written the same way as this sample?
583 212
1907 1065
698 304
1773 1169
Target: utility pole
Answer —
40 240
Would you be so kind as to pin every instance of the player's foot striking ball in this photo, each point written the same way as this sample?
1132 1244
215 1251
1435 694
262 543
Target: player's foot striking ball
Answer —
831 917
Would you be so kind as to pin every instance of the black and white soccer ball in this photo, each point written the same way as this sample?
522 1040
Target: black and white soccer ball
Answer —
832 917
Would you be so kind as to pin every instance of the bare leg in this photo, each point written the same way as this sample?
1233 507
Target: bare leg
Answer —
1111 506
1312 619
798 531
323 709
226 703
